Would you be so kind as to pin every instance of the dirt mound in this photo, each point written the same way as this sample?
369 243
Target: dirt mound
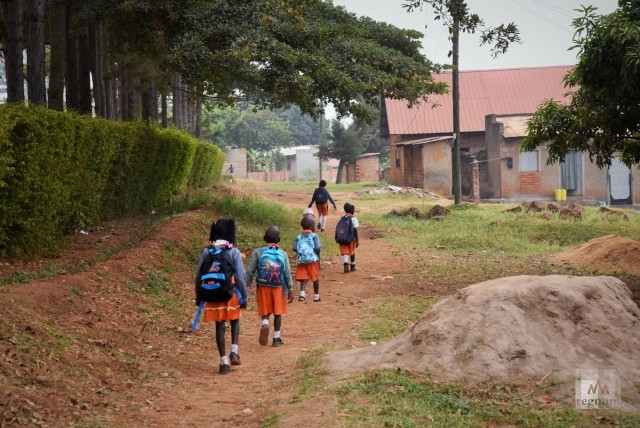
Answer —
610 253
518 328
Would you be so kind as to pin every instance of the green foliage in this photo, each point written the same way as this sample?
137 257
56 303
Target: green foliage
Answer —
397 398
601 118
63 172
385 321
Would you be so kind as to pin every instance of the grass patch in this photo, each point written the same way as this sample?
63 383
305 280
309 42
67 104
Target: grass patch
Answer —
386 320
397 398
312 376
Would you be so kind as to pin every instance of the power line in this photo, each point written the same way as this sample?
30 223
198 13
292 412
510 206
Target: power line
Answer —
542 17
561 11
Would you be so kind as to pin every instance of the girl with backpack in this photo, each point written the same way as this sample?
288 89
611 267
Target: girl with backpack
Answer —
307 246
223 237
270 267
347 236
322 198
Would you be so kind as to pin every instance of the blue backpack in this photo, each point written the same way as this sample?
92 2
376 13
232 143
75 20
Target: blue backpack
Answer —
271 267
305 248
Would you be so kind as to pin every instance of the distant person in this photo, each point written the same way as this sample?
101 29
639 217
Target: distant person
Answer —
230 172
270 267
307 246
347 236
322 198
223 237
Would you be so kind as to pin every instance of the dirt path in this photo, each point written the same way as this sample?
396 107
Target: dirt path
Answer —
266 382
142 370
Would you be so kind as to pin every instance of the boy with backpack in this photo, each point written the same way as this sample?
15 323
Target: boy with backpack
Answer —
221 290
307 246
322 198
270 267
347 236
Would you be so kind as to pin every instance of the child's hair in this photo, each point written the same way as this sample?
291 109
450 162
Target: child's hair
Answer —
308 223
224 228
349 208
272 234
323 183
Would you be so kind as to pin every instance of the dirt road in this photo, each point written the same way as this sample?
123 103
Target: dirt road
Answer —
128 366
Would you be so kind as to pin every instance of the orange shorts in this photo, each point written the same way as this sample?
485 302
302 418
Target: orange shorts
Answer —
323 209
223 311
348 249
308 271
271 300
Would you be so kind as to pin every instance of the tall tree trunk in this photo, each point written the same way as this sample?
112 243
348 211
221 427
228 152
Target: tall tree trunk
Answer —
198 118
149 101
36 87
71 50
84 74
57 61
13 18
97 73
177 101
339 174
163 115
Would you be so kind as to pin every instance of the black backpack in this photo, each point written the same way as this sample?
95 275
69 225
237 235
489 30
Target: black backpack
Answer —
214 278
344 230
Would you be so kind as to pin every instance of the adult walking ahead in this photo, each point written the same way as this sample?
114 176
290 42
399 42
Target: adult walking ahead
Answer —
322 198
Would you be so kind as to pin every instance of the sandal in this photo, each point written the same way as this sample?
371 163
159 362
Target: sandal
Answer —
301 299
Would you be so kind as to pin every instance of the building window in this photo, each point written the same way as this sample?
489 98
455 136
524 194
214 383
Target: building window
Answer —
529 161
288 164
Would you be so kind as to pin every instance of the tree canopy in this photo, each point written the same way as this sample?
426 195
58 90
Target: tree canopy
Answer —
602 118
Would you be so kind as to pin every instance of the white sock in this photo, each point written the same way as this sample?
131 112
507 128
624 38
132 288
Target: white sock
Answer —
276 334
234 348
224 360
316 297
346 258
265 322
324 221
302 293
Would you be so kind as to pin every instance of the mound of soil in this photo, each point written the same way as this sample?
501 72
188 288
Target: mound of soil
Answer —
610 253
518 329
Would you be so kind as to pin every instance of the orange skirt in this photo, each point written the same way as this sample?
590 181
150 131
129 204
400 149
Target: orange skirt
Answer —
271 300
323 209
223 311
308 271
348 249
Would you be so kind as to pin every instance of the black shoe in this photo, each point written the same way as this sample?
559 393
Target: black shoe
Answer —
277 342
234 358
319 225
353 267
346 268
224 369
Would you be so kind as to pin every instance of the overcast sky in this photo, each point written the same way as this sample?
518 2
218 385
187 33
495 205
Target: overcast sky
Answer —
545 29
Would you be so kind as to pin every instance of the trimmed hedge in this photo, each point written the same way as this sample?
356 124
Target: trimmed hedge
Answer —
60 172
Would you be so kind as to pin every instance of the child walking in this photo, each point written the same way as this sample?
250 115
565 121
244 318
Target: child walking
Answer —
307 246
223 237
322 198
270 267
347 236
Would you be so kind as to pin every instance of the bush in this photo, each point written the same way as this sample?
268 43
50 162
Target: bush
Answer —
60 172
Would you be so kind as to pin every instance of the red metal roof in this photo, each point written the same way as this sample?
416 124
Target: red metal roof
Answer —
482 92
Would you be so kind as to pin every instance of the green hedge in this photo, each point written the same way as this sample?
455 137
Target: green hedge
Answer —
60 172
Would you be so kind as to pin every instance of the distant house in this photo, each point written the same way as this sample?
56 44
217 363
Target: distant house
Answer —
514 175
237 159
429 125
303 164
366 168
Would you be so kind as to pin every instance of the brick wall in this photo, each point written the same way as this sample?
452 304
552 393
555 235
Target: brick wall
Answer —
529 183
367 169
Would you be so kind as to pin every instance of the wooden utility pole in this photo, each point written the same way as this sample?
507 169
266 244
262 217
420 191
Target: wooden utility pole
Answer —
455 83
